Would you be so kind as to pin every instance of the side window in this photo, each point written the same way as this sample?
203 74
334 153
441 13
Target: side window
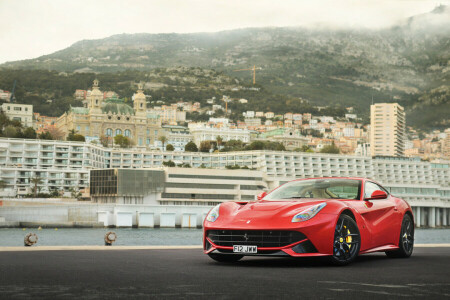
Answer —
369 188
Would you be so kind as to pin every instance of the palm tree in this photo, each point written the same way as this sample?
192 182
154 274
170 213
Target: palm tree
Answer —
36 181
219 141
163 140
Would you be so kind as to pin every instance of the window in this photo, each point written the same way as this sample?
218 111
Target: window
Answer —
371 187
140 141
318 188
118 131
109 132
127 132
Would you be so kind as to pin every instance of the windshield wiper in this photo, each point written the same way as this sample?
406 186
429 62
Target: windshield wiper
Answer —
294 197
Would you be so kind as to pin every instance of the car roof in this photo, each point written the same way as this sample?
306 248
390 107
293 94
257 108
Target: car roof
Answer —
333 177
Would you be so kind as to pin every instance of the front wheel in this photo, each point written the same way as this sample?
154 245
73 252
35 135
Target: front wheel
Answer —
225 257
406 242
347 241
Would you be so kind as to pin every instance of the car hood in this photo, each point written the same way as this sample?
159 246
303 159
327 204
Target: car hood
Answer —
261 213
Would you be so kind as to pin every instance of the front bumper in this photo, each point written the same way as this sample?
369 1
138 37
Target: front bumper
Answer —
318 238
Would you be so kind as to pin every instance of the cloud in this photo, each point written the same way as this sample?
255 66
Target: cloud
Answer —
30 28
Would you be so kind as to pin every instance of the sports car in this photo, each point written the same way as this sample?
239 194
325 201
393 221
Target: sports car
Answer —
337 217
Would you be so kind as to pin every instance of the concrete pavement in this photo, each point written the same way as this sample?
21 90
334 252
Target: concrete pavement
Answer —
188 273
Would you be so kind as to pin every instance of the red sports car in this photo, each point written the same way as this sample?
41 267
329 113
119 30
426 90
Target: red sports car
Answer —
335 217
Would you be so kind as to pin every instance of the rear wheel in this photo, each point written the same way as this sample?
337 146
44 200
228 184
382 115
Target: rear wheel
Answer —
406 242
347 241
225 257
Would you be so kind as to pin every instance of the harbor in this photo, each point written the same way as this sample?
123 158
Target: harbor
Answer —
13 237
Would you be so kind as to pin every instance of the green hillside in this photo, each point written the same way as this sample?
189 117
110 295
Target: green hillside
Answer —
408 63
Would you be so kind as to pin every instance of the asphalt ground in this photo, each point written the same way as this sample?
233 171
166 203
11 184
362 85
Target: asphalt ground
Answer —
189 274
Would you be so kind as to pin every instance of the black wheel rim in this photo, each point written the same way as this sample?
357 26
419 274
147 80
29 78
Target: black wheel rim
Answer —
346 240
408 235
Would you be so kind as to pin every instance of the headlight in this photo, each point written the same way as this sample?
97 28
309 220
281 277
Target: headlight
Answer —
213 214
308 213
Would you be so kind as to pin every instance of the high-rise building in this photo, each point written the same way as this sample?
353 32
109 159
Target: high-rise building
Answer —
387 129
446 144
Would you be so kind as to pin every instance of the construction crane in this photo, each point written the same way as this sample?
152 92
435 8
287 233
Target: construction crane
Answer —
11 99
251 69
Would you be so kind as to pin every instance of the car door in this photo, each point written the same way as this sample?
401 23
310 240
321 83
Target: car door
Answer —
380 216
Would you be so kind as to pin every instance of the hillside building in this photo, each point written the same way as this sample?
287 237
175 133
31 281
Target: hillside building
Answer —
19 112
111 117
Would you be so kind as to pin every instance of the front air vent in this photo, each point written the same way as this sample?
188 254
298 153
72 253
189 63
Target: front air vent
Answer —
260 238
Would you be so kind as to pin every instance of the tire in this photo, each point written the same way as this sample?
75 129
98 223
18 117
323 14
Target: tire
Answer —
346 242
406 240
228 258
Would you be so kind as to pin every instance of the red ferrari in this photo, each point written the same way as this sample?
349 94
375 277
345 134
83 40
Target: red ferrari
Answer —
334 217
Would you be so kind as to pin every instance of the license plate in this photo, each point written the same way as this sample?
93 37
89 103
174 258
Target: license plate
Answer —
245 249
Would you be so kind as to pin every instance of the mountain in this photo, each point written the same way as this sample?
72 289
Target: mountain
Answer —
408 63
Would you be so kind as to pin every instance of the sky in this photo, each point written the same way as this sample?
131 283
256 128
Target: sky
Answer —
31 28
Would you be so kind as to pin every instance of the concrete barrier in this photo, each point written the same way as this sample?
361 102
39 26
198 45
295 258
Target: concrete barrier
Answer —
167 220
145 219
189 221
124 219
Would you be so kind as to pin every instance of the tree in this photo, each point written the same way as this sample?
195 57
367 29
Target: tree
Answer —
169 147
219 141
10 131
29 133
191 147
163 140
168 163
75 193
104 140
55 132
45 136
304 148
122 141
35 181
205 146
76 137
256 145
233 145
330 149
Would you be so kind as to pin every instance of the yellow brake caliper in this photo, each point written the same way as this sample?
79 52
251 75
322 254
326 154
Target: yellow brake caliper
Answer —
349 238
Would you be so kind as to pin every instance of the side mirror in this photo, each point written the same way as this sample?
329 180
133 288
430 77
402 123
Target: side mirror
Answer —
378 194
261 196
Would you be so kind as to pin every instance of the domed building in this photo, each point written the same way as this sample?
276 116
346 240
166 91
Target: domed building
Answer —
111 117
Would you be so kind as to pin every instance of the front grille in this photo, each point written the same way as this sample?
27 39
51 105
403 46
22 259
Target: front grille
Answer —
260 238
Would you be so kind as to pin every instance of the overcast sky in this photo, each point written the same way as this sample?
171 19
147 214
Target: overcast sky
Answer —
30 28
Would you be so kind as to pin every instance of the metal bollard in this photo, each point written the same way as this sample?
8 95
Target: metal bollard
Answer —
110 238
30 239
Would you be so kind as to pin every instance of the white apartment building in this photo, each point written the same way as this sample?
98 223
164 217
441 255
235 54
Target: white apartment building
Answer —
425 185
387 129
60 165
19 112
168 114
203 133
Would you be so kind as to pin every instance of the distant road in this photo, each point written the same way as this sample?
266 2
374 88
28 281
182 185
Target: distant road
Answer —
188 273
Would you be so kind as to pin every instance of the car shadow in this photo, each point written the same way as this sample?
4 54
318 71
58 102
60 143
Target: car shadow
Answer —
302 262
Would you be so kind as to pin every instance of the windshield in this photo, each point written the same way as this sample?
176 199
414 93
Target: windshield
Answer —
318 188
